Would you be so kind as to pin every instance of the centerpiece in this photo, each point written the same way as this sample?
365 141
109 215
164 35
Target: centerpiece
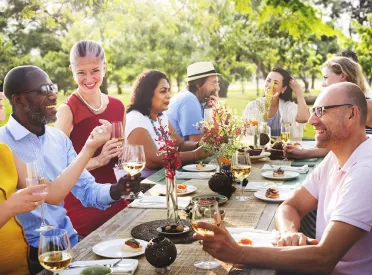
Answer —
264 131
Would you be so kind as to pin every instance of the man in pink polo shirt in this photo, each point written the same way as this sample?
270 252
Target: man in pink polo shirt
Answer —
341 188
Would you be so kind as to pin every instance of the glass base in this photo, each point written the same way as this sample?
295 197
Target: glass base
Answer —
207 264
44 228
242 198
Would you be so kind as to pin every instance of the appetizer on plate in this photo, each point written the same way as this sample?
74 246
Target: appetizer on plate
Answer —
200 166
174 228
245 242
132 245
181 188
272 193
278 172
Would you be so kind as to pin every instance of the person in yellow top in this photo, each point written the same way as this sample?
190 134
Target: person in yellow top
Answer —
13 242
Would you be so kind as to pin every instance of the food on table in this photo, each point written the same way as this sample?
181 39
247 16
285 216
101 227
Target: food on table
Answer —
254 152
225 161
278 172
254 122
173 228
245 242
272 193
209 200
297 144
200 166
181 188
278 145
132 245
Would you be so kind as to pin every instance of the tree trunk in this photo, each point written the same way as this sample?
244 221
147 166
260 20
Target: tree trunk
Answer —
65 91
306 84
178 79
313 81
120 91
104 86
224 86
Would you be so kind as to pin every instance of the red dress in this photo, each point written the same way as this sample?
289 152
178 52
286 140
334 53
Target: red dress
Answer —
85 219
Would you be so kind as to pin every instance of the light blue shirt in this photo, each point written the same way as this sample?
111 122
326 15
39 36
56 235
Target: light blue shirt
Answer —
54 152
184 112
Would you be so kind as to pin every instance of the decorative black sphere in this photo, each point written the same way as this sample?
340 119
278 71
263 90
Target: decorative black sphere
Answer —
221 183
160 252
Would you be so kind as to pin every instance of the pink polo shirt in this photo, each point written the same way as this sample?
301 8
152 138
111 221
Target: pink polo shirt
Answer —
346 195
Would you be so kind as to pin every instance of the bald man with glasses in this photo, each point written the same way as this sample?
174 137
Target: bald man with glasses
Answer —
340 187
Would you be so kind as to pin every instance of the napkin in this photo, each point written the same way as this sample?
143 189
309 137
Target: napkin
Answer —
157 202
194 175
302 169
250 233
126 266
258 185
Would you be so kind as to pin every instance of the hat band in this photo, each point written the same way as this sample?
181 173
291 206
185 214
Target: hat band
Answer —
199 74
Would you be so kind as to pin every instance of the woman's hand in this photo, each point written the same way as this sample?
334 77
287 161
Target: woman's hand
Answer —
99 135
111 149
27 199
296 87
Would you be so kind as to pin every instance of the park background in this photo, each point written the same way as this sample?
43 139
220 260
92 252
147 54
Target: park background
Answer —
244 39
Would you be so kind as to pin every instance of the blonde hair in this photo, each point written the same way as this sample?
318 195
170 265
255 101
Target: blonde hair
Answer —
85 48
351 69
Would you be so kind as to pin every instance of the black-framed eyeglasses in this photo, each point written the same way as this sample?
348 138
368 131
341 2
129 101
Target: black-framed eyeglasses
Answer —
44 89
319 111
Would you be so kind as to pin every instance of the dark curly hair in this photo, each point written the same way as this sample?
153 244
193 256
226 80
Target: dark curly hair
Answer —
287 95
143 91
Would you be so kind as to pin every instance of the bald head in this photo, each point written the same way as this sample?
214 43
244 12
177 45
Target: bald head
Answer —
347 92
20 79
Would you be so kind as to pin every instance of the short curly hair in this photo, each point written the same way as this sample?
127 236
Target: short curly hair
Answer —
143 91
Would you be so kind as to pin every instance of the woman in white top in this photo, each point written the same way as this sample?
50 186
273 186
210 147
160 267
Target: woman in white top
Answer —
150 98
282 109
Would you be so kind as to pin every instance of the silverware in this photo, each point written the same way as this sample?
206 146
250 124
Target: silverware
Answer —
87 265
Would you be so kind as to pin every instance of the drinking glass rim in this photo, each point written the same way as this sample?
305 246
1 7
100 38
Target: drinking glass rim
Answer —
63 232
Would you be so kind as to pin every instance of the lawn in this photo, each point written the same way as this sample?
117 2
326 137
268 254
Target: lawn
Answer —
236 100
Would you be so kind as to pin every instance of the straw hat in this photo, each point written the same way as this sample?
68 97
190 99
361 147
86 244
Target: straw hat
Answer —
200 70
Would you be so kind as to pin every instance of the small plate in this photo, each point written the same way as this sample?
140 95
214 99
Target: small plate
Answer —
185 230
125 265
220 198
287 175
206 168
263 155
190 189
283 195
255 241
112 249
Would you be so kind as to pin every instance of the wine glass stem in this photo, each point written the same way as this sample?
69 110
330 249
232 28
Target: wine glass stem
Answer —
43 224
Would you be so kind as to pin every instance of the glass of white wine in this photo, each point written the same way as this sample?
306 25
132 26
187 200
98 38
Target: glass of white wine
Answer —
54 250
285 133
241 169
34 178
133 161
205 211
117 131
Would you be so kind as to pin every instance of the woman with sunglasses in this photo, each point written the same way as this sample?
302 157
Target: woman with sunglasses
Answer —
77 116
335 70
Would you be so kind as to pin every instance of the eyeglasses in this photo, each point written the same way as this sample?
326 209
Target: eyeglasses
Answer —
319 111
44 89
214 83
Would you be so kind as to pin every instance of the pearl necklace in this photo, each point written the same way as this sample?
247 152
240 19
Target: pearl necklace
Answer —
96 110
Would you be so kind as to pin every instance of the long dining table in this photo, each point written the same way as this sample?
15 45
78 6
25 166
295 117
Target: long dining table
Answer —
255 214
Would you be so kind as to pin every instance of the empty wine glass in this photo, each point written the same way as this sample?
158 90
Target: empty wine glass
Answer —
34 178
133 161
241 169
54 250
205 211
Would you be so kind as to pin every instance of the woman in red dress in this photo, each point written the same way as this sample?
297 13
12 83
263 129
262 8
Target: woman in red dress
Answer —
77 116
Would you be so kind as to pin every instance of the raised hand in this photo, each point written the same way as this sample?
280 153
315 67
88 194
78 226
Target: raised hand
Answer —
129 184
99 135
27 199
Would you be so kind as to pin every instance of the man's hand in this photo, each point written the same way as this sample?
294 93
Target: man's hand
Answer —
219 243
27 199
295 152
126 185
295 239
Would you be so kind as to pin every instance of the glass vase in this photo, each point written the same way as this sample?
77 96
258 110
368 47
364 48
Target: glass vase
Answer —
171 198
263 135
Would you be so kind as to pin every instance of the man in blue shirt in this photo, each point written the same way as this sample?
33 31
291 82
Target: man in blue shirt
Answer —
187 107
33 99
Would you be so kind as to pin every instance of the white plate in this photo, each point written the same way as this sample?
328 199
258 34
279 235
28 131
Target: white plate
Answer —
283 195
206 168
112 249
256 241
263 155
287 175
190 189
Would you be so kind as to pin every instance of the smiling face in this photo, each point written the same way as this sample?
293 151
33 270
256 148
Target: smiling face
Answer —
161 97
277 78
88 73
2 110
210 87
329 77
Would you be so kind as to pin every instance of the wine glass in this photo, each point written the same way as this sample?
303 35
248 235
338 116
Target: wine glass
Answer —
285 133
241 169
117 131
34 178
205 211
133 161
54 250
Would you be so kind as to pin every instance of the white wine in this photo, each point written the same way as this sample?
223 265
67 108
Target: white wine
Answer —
284 136
241 171
55 261
133 168
203 231
120 139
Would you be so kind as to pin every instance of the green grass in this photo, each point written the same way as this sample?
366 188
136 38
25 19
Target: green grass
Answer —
236 100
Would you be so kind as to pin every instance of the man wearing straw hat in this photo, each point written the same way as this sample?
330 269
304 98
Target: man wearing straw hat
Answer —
186 108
